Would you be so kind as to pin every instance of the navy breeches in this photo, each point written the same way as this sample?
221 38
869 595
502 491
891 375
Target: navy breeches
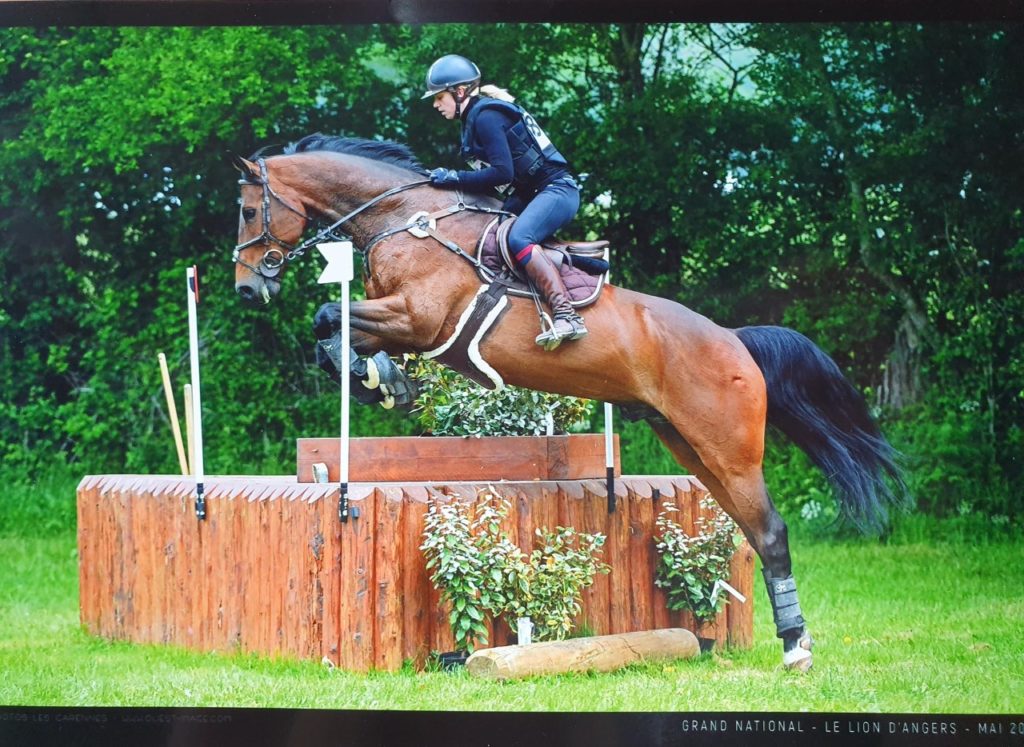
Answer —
549 210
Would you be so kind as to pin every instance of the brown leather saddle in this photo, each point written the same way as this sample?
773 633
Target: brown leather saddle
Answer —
583 265
584 270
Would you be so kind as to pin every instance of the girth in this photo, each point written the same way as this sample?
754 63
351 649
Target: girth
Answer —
462 350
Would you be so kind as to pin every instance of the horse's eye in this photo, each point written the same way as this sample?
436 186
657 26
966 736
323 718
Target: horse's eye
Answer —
248 213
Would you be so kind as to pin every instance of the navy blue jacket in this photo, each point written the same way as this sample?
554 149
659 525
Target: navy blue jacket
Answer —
495 132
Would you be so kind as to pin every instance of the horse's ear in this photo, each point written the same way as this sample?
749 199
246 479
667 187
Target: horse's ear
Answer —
248 168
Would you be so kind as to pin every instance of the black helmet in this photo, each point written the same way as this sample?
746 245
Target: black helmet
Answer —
450 71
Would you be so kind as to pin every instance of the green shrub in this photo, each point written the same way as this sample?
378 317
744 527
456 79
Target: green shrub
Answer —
450 404
481 573
690 566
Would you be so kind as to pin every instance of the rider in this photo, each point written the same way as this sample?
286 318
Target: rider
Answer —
506 147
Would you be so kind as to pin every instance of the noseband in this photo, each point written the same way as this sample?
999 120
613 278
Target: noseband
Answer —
274 259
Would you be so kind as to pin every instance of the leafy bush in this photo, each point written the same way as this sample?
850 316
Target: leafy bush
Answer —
482 573
689 567
450 404
457 543
547 585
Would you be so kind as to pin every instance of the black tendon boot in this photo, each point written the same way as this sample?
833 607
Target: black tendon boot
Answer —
789 622
566 323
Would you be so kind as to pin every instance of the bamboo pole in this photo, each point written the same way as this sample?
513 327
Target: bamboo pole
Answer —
172 411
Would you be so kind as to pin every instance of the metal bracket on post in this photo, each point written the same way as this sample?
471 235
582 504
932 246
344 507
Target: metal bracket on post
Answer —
344 509
343 503
200 503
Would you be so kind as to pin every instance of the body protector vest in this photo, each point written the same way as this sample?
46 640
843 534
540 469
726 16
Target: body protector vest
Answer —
531 148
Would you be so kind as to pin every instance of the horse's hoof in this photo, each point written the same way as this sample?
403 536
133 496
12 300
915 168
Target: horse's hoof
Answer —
799 658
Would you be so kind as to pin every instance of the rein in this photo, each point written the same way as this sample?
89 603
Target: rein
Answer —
274 259
420 225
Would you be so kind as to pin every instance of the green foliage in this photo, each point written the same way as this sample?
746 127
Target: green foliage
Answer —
482 573
450 404
800 491
640 450
547 585
690 566
859 183
38 503
881 616
456 543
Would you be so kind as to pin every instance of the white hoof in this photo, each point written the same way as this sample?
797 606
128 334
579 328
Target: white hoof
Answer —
799 658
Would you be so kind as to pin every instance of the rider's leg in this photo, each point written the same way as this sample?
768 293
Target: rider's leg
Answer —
552 208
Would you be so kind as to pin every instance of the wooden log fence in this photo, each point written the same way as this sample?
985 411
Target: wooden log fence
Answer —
272 570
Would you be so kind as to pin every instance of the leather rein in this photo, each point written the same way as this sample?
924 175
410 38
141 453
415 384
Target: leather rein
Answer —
421 225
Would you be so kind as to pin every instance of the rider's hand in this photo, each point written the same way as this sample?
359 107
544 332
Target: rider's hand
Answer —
444 177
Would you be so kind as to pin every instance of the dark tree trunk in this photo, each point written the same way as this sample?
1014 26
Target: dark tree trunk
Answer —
901 381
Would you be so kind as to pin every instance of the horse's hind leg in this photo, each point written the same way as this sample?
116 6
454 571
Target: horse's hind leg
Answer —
741 492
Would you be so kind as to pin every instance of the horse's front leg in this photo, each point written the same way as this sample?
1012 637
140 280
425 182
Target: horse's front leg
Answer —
389 320
374 378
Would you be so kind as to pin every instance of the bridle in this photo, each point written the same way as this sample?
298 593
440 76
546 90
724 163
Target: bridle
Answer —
274 259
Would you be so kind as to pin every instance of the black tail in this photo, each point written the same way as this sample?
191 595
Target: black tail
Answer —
812 403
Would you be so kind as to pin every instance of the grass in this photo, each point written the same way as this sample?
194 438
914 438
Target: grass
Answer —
916 627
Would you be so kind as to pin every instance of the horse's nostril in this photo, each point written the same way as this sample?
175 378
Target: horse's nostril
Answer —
246 292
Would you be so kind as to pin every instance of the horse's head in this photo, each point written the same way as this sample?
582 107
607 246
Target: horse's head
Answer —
270 223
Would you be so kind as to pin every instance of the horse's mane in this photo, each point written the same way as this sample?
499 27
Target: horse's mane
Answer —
385 151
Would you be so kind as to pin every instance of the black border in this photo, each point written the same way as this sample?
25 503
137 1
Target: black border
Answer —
226 727
300 12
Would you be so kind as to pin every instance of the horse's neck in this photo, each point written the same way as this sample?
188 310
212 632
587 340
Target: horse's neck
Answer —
335 186
405 264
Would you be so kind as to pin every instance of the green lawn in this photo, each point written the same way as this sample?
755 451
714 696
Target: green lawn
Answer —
900 628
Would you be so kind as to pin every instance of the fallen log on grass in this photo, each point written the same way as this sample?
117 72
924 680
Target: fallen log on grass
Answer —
602 653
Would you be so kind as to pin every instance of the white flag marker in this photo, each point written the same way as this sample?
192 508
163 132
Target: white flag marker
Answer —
340 270
719 586
192 278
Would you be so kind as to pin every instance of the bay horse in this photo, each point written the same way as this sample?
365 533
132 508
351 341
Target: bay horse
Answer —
707 391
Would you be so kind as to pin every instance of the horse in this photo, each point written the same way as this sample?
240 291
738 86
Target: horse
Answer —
708 392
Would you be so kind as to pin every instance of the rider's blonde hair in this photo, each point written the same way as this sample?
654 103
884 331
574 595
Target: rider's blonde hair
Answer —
493 92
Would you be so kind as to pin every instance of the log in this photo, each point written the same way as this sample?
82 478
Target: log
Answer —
454 458
603 653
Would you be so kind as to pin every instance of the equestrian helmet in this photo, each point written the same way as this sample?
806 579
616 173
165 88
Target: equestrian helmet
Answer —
450 71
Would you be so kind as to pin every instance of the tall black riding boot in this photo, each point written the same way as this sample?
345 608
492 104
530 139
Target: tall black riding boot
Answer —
566 323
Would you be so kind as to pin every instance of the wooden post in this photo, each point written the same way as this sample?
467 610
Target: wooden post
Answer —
602 653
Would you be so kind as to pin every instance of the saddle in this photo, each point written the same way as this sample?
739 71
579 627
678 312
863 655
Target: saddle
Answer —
583 265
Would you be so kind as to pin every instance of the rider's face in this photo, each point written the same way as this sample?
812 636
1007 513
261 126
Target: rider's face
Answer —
444 102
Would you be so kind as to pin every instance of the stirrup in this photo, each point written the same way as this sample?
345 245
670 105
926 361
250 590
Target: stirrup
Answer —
551 337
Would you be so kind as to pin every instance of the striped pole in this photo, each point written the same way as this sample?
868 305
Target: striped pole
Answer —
192 277
609 441
609 457
340 270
